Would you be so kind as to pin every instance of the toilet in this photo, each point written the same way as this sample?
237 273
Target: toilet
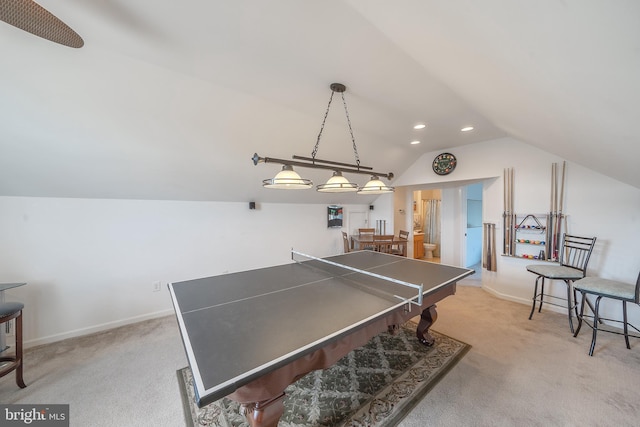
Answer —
428 249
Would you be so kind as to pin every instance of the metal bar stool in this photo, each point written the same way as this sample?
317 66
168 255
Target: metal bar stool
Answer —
574 258
8 312
605 288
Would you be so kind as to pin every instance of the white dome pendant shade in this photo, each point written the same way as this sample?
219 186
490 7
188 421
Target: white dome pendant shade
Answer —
375 186
337 184
287 179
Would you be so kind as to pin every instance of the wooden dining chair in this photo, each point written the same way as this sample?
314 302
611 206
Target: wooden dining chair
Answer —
367 232
345 241
383 243
400 246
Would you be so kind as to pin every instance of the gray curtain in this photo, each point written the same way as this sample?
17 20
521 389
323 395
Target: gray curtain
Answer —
431 215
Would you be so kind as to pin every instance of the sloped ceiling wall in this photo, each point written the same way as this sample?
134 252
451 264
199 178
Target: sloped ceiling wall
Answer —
171 100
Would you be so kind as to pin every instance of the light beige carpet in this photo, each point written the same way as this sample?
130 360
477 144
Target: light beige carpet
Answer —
523 372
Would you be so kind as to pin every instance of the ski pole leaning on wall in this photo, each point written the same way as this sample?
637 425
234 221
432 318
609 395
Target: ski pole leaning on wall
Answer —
508 216
554 220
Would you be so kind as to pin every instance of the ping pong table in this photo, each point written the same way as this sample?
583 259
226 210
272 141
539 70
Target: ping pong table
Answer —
248 335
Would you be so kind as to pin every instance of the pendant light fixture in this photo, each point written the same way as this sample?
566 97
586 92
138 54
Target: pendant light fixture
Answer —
337 184
375 186
288 179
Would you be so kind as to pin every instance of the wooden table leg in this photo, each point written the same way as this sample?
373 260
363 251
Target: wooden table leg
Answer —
266 413
427 318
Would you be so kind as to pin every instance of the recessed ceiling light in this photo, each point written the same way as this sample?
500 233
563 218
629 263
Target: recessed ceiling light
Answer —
466 129
420 126
415 142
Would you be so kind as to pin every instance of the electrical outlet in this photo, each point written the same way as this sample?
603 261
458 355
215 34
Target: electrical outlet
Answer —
156 286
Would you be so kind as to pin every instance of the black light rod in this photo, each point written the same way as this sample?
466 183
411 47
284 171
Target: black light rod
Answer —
329 162
257 159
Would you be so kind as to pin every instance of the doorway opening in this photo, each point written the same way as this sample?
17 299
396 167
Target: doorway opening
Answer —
473 232
427 224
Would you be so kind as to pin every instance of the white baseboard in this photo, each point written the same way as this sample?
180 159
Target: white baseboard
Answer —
97 328
525 301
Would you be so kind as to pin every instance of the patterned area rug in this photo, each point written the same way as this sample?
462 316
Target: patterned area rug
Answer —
374 385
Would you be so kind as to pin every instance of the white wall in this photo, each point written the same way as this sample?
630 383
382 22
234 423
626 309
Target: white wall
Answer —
91 264
383 211
595 204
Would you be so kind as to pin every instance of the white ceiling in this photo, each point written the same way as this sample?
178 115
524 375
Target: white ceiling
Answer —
169 100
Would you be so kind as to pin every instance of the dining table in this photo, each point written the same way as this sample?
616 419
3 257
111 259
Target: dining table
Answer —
366 241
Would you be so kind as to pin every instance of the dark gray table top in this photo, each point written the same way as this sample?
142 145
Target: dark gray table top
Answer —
236 327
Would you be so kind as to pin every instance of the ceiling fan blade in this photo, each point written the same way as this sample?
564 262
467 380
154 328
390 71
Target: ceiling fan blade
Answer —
33 18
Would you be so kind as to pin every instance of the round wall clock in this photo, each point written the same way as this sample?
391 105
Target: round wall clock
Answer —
444 163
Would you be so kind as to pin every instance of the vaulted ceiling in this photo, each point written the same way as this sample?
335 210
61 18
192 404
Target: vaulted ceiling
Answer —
170 100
